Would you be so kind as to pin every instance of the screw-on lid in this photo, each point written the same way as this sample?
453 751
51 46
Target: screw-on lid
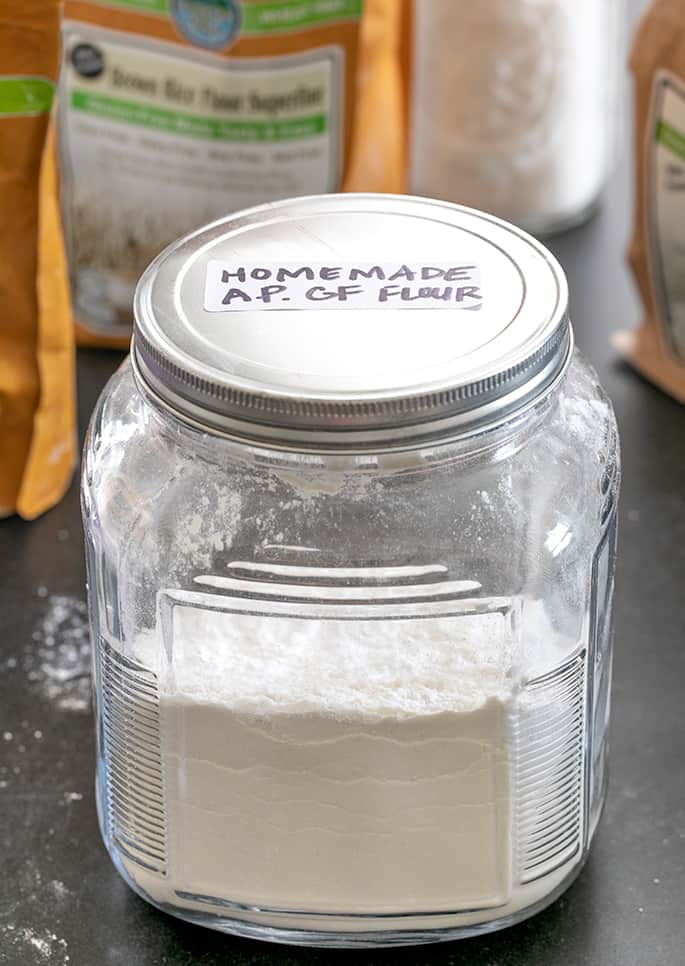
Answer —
352 321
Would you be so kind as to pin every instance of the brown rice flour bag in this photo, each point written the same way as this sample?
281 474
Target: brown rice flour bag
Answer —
177 112
657 250
37 413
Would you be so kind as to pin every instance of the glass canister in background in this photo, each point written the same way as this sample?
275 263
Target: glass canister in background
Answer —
513 105
350 522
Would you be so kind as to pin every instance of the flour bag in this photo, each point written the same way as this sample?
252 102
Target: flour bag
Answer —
37 412
377 161
657 249
176 112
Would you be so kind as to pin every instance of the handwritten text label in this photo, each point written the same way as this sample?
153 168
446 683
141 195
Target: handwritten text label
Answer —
236 286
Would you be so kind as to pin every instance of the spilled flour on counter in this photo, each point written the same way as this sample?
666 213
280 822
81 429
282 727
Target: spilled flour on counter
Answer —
30 920
58 659
43 947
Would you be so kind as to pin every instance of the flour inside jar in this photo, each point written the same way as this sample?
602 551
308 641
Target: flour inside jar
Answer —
345 765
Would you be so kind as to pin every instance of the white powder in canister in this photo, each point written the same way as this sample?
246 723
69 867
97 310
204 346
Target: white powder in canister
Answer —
338 765
513 105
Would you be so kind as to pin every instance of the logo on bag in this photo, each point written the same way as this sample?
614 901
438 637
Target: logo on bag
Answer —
207 23
87 60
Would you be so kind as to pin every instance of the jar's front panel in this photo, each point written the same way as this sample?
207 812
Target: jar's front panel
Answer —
301 771
342 763
358 690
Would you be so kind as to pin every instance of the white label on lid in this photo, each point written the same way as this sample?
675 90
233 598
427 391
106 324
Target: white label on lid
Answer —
235 286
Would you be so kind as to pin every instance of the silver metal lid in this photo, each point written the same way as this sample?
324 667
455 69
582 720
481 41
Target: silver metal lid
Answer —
351 321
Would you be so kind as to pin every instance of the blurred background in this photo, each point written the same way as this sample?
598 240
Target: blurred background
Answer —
124 124
127 123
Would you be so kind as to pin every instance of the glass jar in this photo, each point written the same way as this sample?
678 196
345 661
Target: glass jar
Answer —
350 523
514 105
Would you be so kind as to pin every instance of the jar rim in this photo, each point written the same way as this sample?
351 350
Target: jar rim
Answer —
325 446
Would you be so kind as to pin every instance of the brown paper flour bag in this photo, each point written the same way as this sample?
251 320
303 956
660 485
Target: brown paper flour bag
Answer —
174 113
37 436
657 249
378 145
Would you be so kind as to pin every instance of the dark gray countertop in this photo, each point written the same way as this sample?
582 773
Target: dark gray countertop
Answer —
62 903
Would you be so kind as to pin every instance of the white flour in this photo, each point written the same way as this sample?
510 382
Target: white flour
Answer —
42 946
33 909
59 657
340 766
512 105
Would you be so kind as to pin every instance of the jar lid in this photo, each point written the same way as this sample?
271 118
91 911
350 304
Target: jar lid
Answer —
351 320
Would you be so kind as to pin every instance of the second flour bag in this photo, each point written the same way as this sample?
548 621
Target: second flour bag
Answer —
177 112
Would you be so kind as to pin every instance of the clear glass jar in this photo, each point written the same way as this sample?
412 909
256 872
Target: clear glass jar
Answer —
352 655
514 106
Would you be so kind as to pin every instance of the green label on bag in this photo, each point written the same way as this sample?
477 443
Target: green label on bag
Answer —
266 18
255 18
140 6
25 95
671 138
192 125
